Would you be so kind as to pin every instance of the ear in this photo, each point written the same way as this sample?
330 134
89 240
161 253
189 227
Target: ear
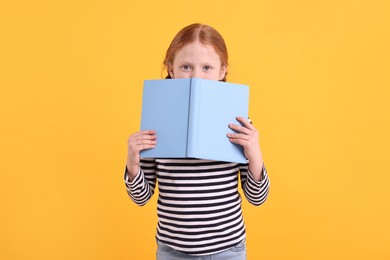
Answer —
170 72
223 72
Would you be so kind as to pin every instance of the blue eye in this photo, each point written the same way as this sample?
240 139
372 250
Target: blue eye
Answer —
206 68
186 67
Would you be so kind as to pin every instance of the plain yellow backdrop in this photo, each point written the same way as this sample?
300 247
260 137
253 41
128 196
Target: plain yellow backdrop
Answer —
71 75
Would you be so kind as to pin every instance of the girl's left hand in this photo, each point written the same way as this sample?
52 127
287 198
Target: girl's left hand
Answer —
248 137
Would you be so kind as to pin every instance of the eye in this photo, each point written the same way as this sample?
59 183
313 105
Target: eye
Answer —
186 67
207 68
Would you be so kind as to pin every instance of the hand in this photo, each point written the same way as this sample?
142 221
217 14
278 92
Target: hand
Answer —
137 142
248 137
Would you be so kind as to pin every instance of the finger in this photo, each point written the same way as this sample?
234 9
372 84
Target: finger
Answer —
238 136
245 122
147 132
146 146
139 146
146 141
141 140
240 129
147 137
238 141
142 134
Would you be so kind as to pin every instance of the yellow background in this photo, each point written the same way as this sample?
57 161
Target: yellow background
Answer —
71 75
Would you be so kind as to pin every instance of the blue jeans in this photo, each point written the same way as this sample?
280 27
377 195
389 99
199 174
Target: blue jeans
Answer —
237 252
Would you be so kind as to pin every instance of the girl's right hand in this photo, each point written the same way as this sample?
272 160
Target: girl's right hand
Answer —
145 139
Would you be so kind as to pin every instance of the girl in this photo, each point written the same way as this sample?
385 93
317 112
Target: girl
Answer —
199 206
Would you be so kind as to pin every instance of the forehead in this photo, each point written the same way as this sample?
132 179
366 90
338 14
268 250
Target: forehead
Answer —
197 52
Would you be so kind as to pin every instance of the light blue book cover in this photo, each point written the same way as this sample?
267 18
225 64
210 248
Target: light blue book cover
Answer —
191 118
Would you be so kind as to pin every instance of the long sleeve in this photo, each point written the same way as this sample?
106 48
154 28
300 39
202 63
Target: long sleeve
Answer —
141 188
256 192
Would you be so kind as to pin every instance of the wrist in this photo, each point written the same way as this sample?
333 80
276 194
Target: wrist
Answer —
255 165
132 170
254 155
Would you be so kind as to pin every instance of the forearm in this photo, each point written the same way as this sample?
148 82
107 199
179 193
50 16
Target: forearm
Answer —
256 164
132 170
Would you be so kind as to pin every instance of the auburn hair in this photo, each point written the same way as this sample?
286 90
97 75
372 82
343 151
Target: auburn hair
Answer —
203 33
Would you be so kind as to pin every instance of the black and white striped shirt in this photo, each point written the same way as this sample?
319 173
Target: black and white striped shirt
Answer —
199 206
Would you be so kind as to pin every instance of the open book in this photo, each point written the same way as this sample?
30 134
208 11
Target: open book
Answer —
191 118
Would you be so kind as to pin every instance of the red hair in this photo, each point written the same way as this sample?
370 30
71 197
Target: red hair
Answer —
205 34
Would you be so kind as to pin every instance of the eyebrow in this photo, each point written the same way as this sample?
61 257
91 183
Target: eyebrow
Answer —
210 64
185 62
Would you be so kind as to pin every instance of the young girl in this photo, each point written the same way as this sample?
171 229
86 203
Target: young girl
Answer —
199 206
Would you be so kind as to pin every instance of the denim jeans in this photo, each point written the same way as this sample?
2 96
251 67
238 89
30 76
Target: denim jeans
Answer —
237 252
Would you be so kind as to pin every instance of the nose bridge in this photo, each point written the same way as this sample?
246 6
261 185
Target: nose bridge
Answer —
195 73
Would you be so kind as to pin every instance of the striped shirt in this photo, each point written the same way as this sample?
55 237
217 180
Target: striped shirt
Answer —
199 206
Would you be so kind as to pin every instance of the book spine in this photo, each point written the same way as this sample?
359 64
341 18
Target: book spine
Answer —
193 117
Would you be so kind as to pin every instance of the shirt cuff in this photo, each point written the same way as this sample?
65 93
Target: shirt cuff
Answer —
263 176
127 178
